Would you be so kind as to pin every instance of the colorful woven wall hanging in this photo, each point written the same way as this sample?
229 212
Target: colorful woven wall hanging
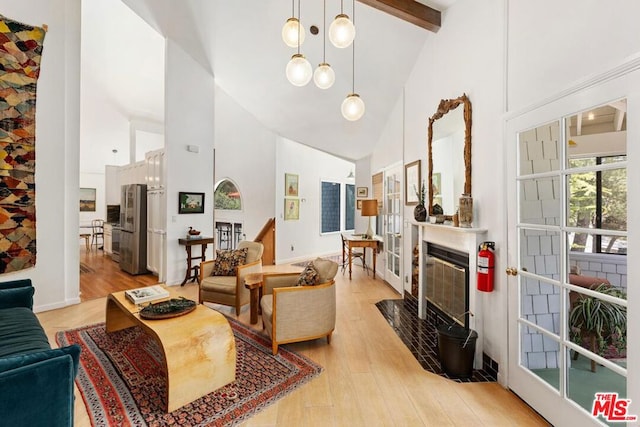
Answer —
20 54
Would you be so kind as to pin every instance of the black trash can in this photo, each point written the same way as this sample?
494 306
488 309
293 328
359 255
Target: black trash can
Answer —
456 349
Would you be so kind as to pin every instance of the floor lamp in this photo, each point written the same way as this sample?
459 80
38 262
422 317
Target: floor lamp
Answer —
370 209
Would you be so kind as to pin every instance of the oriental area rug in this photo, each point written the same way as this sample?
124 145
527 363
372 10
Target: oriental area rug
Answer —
122 383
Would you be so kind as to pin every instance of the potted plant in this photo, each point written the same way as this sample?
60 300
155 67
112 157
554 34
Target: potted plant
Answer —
420 212
601 323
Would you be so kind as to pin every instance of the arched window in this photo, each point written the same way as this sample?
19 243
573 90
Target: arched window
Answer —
227 196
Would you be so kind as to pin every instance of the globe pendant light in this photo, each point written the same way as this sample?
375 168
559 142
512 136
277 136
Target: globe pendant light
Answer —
299 70
292 30
353 106
324 76
342 32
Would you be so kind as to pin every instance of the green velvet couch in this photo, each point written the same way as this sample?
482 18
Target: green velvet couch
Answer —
36 381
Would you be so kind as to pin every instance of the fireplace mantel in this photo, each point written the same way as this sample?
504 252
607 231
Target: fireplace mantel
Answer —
464 240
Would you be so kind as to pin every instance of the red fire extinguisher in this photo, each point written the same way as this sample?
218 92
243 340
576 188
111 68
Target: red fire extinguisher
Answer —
486 264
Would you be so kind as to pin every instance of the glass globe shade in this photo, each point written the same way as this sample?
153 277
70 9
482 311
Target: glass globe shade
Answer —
324 76
341 31
290 32
299 70
352 107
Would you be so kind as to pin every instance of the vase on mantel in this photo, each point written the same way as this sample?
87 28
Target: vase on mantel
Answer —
420 213
465 211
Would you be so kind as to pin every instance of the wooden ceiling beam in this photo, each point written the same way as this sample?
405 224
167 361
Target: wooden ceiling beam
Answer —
410 11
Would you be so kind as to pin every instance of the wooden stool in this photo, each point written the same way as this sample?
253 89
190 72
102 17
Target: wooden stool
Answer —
86 238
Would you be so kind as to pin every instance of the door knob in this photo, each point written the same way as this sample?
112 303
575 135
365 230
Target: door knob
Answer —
511 271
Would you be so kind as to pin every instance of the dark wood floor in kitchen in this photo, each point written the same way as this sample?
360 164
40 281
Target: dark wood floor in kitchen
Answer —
100 276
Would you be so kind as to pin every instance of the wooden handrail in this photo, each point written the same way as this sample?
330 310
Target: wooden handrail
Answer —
267 236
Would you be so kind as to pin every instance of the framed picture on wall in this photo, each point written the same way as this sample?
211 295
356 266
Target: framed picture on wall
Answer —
359 204
290 185
87 200
362 192
291 209
412 183
189 203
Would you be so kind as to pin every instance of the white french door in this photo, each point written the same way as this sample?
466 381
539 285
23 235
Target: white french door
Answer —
563 175
393 226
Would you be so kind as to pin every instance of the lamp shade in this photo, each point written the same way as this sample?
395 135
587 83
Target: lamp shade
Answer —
299 70
324 76
342 32
352 107
369 207
291 30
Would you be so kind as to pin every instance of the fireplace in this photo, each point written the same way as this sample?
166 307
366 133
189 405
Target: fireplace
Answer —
446 272
454 247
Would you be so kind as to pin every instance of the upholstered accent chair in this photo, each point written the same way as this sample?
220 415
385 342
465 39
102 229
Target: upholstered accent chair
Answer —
230 290
294 313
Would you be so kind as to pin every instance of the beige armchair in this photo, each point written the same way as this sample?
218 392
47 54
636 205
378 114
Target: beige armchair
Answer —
230 290
293 313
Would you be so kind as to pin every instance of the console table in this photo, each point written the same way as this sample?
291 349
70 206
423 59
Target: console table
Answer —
192 272
357 241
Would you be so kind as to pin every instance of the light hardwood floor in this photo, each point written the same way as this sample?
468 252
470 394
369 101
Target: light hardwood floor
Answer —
370 377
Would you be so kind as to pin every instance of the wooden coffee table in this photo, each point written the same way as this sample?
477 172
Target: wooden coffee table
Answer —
199 348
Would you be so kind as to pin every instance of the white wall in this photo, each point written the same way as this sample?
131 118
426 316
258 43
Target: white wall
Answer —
311 166
245 153
189 114
97 181
550 48
122 85
56 273
446 68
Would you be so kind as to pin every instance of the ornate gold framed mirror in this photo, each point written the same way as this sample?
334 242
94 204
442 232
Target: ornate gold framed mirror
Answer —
449 154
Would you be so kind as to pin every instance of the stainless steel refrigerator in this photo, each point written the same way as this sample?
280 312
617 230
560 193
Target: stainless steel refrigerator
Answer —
133 233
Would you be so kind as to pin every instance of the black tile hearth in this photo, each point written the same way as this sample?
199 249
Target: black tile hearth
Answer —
421 339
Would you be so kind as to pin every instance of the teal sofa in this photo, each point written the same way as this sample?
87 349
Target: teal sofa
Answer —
36 381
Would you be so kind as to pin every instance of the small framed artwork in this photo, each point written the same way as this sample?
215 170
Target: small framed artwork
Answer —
359 204
412 183
87 200
290 185
291 209
190 203
362 192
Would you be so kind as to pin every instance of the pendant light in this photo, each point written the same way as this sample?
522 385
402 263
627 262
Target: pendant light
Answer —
353 106
298 69
292 30
342 32
324 76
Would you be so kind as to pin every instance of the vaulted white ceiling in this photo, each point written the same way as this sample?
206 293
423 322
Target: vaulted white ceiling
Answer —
239 42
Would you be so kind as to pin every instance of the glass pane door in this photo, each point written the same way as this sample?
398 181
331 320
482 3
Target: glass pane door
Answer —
571 238
393 226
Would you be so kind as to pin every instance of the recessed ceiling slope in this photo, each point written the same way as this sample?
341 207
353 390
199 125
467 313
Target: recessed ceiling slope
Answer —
241 40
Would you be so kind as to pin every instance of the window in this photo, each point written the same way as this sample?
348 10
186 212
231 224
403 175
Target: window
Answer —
227 196
598 201
332 213
349 207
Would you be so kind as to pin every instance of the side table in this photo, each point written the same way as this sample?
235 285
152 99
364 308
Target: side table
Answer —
253 282
193 271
